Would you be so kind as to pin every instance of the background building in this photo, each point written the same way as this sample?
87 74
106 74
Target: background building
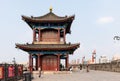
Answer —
103 59
116 57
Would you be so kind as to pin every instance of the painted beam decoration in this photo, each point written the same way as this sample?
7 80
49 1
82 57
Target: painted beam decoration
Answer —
42 27
1 72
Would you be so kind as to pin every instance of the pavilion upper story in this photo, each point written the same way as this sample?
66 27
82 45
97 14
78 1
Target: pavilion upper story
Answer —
49 28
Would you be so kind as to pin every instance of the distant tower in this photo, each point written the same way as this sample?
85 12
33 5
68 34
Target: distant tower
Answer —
49 41
94 56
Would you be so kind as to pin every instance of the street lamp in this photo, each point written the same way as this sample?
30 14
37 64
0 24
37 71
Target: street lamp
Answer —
116 38
94 55
14 62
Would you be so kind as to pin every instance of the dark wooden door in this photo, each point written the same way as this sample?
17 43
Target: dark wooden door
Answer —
49 63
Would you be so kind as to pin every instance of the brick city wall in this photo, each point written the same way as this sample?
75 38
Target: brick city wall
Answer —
113 66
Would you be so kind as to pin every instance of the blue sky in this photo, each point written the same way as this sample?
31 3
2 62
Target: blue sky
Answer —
96 23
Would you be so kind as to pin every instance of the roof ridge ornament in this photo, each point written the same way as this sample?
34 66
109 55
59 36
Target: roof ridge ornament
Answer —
50 9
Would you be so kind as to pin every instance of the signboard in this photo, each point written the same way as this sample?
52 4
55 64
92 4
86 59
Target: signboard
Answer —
11 71
1 72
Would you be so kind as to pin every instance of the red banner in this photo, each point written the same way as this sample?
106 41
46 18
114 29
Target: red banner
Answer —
20 70
11 71
1 72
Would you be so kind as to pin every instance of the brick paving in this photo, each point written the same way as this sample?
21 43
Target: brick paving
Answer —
80 76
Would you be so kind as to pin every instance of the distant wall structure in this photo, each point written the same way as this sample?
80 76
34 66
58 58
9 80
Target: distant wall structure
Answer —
113 66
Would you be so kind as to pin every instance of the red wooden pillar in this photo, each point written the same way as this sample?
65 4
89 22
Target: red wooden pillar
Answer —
67 61
58 35
30 63
34 35
39 63
58 64
36 59
39 34
64 36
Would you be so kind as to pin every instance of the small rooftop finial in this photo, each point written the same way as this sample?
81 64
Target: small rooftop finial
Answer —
51 9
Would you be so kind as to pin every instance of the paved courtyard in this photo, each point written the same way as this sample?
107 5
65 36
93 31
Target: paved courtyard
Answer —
81 76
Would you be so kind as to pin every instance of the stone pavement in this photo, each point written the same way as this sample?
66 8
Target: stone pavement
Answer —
80 76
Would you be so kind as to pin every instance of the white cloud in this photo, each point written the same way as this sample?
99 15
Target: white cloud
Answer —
104 20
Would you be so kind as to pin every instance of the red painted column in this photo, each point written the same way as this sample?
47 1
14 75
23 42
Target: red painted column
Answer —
30 62
58 66
36 59
39 61
34 35
39 34
64 36
58 35
67 61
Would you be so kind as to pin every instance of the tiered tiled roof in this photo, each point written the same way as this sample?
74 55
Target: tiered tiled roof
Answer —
50 18
45 47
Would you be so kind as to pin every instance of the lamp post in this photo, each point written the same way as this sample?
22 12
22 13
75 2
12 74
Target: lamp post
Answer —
94 54
116 38
14 62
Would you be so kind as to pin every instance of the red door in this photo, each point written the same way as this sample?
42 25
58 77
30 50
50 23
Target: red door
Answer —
49 63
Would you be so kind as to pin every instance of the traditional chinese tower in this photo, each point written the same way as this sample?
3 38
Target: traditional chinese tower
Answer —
49 41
